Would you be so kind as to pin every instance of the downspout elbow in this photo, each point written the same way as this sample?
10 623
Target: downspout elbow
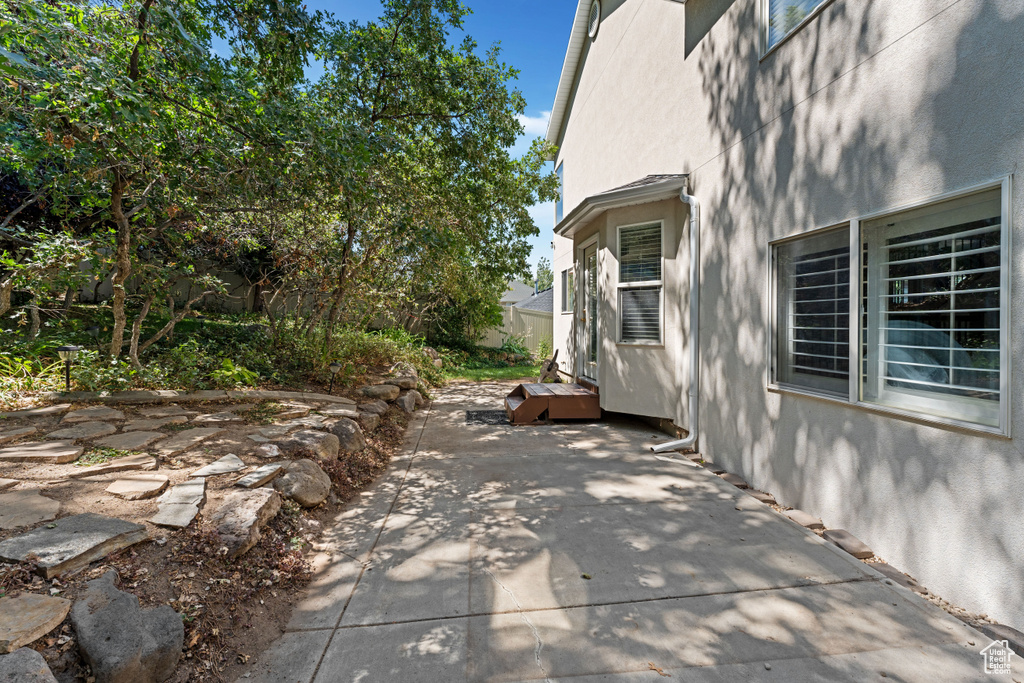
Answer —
693 402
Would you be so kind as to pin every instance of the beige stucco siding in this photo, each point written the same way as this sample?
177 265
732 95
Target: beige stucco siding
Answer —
870 106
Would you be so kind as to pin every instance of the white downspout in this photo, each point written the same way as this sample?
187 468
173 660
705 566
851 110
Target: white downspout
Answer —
690 441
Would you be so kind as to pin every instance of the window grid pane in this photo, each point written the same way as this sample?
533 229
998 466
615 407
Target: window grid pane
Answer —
641 314
640 254
785 15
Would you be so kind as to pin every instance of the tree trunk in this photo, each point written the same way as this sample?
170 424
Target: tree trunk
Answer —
175 319
122 260
6 287
69 298
33 312
133 350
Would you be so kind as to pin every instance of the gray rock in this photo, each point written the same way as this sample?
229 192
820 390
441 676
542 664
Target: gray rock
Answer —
290 410
180 504
182 441
420 398
155 423
8 484
139 486
167 411
384 392
72 543
308 422
377 407
848 542
438 363
407 402
267 451
93 413
260 476
122 642
53 452
404 369
125 464
277 431
804 519
25 508
304 482
36 412
83 430
15 434
25 666
404 382
28 617
320 445
240 517
130 441
766 498
218 419
350 436
226 465
735 480
204 395
368 421
143 396
340 411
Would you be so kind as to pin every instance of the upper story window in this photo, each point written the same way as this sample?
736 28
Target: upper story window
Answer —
568 291
560 202
779 18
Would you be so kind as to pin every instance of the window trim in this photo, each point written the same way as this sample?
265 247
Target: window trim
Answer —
854 400
763 13
568 302
619 286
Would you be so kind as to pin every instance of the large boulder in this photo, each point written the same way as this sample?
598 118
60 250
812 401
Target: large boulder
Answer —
407 382
377 407
320 445
25 665
304 482
350 436
368 421
384 392
122 642
407 402
241 516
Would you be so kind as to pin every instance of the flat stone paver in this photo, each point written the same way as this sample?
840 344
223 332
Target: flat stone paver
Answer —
226 465
180 504
8 484
83 430
570 552
124 464
138 486
260 476
25 508
15 434
53 452
27 617
93 413
72 542
37 412
130 441
218 418
154 423
160 412
182 441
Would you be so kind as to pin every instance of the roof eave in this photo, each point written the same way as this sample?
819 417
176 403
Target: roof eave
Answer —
571 62
592 207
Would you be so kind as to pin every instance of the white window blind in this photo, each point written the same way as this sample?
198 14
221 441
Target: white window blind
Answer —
933 302
813 298
568 290
780 17
640 284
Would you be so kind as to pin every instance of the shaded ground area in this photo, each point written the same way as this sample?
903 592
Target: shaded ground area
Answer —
493 553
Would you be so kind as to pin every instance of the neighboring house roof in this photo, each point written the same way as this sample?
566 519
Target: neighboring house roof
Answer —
577 39
652 188
517 291
541 301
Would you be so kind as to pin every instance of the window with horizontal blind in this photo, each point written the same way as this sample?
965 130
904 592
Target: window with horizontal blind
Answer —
779 18
930 290
640 283
813 300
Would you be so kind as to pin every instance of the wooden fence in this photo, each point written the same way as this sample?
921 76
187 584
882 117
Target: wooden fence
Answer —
534 326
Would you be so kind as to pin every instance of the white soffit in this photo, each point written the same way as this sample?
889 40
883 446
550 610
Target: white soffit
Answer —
572 61
644 191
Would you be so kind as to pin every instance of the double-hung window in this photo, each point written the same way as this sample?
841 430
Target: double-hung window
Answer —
929 290
568 290
779 18
640 283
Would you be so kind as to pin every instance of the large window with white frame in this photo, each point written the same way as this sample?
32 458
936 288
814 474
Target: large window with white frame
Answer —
779 18
929 289
640 283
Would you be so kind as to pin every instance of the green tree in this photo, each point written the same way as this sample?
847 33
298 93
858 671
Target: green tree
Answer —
545 277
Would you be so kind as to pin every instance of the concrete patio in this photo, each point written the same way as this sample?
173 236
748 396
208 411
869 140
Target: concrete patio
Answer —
571 552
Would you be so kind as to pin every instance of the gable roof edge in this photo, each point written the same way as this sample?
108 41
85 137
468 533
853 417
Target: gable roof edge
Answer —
577 38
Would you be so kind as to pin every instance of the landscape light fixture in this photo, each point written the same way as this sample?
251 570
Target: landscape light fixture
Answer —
335 368
67 354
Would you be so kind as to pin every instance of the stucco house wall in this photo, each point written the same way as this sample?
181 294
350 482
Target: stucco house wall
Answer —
870 106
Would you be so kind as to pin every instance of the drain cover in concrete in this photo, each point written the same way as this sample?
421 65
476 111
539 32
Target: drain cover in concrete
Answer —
83 430
182 441
93 413
229 463
25 508
130 441
55 452
72 542
28 617
139 486
486 417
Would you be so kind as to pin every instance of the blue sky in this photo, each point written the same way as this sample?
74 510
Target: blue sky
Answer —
533 35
